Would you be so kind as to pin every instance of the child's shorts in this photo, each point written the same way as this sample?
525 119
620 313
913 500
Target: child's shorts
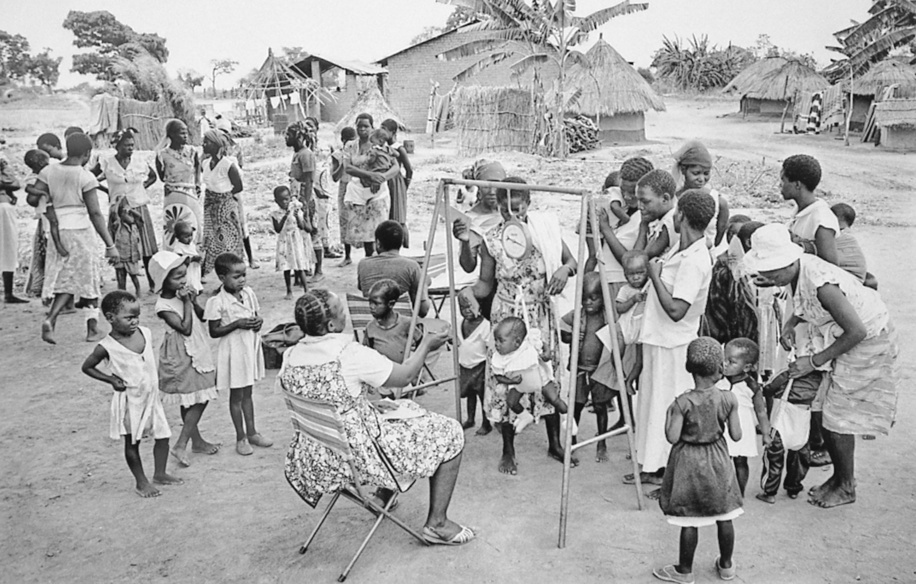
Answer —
471 380
585 386
132 268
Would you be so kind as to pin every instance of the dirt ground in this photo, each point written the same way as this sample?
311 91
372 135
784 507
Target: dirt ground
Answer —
68 512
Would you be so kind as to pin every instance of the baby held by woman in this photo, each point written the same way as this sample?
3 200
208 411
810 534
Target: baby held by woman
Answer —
517 363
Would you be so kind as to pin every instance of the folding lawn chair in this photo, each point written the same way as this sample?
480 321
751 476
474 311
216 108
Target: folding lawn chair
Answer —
360 317
319 421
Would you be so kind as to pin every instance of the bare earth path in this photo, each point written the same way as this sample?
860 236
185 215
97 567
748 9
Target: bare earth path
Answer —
68 513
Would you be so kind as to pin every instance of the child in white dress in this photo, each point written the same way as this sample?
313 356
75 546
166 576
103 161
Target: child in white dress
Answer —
517 363
125 360
185 246
472 363
289 222
232 314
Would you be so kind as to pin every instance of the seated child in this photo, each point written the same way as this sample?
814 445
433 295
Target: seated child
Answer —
122 224
472 362
517 363
590 382
849 253
388 333
380 157
740 377
185 247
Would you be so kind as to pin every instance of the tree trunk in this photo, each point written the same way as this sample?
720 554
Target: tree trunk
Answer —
560 138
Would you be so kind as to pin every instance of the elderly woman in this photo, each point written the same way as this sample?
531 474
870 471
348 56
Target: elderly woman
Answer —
129 178
178 167
525 270
72 192
852 339
222 221
329 365
363 218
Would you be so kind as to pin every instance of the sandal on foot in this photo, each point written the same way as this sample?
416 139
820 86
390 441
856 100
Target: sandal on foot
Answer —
726 573
258 440
243 447
670 574
462 537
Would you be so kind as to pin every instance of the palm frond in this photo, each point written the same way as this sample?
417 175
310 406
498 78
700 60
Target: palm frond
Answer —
529 61
471 48
598 18
488 61
882 46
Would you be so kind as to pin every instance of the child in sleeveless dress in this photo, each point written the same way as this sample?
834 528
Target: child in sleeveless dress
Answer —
699 487
124 359
740 377
187 374
472 363
517 363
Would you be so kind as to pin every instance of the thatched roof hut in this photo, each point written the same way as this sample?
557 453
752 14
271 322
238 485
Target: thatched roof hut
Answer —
884 74
766 86
614 94
372 102
897 120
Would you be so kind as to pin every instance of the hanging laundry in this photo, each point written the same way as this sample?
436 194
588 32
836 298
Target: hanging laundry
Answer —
295 98
275 101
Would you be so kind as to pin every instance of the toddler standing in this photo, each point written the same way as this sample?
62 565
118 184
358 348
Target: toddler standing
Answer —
232 315
292 253
187 375
124 359
699 487
740 377
186 247
122 225
472 363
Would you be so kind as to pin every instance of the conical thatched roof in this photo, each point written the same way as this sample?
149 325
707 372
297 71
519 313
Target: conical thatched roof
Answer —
883 74
778 81
373 103
752 73
896 112
611 85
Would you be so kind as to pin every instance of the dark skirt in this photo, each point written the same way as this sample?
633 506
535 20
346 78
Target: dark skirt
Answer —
700 481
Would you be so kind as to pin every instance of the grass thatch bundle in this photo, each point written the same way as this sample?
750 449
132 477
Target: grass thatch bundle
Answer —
752 74
493 119
893 113
884 74
610 85
373 103
789 80
148 117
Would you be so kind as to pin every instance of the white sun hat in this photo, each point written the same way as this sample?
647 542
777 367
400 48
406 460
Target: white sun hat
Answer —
160 265
771 249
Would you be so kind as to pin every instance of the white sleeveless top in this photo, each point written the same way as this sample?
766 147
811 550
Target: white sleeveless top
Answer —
216 179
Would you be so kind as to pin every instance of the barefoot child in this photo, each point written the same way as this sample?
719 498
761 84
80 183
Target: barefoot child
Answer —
592 355
518 364
472 363
122 224
125 360
185 246
700 488
380 157
232 315
740 377
187 375
289 223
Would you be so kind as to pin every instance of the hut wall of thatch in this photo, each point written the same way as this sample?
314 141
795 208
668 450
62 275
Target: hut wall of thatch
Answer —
897 120
762 107
624 127
494 119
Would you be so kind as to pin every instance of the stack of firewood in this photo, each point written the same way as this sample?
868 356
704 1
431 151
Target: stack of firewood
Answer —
581 134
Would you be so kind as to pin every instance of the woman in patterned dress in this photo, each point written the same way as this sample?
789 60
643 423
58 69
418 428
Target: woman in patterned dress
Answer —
222 220
541 273
329 365
178 167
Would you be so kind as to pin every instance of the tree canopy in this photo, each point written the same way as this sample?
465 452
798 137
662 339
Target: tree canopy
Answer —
17 63
101 31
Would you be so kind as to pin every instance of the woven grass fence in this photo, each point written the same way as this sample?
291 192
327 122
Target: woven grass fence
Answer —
148 117
494 119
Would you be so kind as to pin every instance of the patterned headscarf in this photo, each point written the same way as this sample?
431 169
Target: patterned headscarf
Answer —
485 170
219 138
120 135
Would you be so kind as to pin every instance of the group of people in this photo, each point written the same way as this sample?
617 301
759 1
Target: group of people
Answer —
718 315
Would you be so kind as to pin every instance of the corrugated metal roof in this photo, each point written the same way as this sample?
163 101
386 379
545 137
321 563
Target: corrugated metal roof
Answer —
356 67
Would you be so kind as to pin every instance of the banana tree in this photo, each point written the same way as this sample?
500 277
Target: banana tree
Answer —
532 35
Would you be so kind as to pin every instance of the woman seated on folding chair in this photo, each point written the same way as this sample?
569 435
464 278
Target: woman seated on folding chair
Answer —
331 366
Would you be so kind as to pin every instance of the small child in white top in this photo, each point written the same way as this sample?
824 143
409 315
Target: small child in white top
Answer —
232 314
125 359
631 299
472 363
517 363
739 371
185 247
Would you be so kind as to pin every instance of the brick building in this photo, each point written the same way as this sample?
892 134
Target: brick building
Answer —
411 70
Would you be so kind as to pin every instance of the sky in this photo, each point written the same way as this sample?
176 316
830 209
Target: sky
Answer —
198 31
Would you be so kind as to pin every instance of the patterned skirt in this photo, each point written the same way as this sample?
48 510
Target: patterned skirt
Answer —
343 215
78 273
861 392
222 229
363 219
36 279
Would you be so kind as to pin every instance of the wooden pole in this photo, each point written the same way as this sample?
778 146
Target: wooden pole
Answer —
611 310
514 186
573 373
452 298
852 100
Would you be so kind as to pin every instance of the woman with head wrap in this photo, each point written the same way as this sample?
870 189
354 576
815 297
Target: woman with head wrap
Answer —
223 181
692 168
129 177
178 167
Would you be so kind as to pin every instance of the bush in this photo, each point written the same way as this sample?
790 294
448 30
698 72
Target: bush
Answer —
698 65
